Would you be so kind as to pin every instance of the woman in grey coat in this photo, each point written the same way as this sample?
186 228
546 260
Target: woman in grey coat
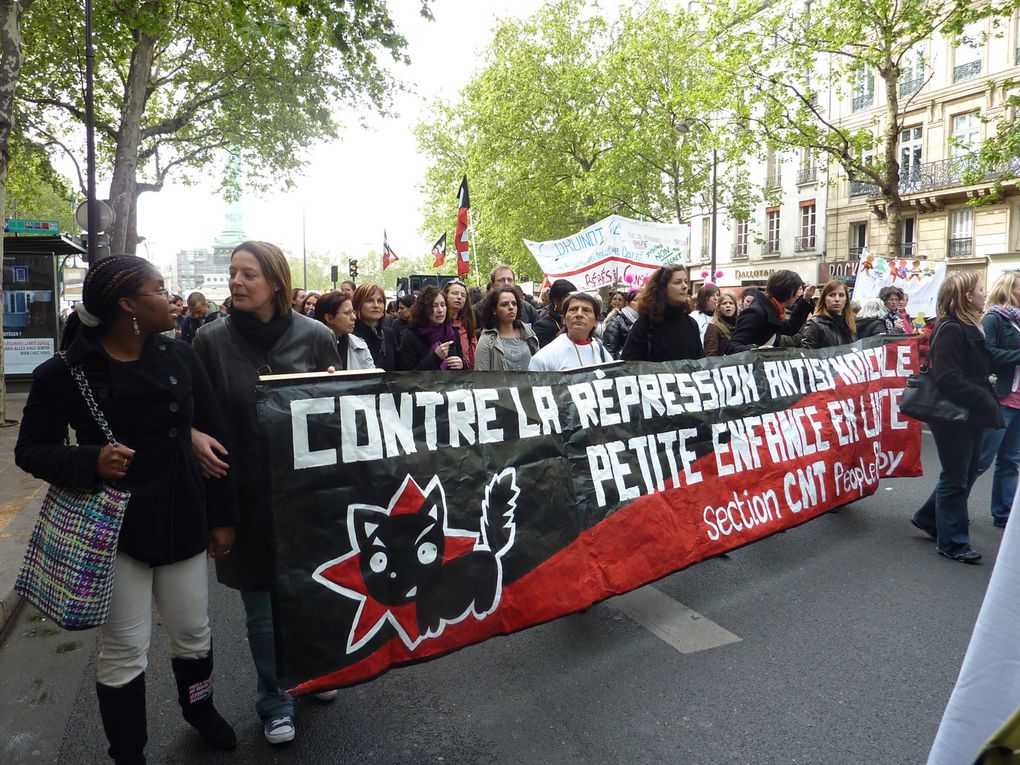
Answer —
261 336
506 344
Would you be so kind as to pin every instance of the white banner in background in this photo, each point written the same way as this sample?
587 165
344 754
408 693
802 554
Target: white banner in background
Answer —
919 279
615 250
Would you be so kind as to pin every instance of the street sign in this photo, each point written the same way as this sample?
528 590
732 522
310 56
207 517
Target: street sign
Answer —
23 226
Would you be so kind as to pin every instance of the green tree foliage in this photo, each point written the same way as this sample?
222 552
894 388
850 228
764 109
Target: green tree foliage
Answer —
34 188
180 81
788 51
573 118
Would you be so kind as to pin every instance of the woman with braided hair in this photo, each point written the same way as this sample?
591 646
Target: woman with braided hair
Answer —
152 390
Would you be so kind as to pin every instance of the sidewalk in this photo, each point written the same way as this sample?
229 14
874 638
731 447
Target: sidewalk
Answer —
21 496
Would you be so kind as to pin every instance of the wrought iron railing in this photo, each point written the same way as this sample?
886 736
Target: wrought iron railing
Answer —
1017 61
807 175
910 87
863 101
804 243
966 71
905 250
739 250
861 189
855 251
957 171
961 247
774 181
771 248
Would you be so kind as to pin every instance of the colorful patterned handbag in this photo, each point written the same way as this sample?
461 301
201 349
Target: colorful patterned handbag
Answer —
69 565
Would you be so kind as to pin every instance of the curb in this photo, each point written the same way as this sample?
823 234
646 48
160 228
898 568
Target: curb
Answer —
13 542
10 605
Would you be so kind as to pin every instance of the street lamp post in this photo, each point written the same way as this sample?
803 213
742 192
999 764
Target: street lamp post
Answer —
683 128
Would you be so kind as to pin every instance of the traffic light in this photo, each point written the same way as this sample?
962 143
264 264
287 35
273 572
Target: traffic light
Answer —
353 267
334 275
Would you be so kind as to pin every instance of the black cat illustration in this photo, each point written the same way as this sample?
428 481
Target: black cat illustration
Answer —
414 570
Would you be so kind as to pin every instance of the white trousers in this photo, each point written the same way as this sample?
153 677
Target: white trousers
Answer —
181 592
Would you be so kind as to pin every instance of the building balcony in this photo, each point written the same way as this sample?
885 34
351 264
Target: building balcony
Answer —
960 247
861 189
738 251
771 249
957 171
912 86
774 181
863 101
1017 59
804 243
704 253
966 71
807 175
905 250
854 253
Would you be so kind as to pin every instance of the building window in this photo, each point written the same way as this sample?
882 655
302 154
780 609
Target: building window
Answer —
911 149
807 173
969 51
740 246
864 88
966 134
961 233
772 229
773 164
806 241
908 238
858 239
706 237
913 71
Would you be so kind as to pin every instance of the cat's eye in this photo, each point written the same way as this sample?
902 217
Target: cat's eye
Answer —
427 552
378 562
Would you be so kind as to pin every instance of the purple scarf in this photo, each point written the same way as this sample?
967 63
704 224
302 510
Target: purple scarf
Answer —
1008 312
435 335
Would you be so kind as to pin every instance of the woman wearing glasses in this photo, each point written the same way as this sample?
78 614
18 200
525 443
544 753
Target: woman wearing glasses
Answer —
151 391
262 335
336 311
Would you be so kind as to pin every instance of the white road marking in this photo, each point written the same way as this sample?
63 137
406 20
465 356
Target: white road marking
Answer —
671 621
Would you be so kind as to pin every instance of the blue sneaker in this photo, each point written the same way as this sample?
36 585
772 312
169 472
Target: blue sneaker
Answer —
279 730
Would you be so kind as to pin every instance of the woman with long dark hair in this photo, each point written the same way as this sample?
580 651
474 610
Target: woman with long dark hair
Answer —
263 335
430 343
151 390
960 361
462 319
664 330
370 305
507 343
832 323
705 304
724 320
336 311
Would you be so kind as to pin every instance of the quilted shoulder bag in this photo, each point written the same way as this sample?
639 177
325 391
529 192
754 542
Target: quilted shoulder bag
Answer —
922 399
69 565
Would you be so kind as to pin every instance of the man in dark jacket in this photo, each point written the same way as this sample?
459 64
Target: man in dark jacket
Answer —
778 310
550 320
198 316
504 276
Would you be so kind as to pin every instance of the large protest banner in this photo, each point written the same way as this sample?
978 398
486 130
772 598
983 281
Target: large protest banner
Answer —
616 250
415 514
919 279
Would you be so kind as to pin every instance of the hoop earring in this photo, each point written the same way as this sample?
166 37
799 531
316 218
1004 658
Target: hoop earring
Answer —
134 325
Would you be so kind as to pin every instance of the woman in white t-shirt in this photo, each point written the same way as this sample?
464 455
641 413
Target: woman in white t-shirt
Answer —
1002 331
576 345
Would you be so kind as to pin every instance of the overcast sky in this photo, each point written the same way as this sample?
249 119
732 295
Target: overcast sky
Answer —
367 180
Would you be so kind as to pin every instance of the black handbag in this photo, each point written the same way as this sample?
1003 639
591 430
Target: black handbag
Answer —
922 399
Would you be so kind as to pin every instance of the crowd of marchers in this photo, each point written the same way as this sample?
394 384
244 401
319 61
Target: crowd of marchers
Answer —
177 386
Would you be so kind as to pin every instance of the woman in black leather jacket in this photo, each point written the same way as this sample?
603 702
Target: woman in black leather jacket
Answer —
832 323
961 362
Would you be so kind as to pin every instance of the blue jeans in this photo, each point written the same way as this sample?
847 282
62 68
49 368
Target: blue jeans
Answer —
271 701
1003 446
945 512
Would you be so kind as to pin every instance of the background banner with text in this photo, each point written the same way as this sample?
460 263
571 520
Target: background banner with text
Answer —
418 513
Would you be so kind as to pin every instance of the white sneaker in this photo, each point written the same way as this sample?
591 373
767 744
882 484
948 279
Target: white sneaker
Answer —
327 696
280 730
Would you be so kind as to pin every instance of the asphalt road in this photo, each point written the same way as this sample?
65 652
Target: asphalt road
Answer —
851 634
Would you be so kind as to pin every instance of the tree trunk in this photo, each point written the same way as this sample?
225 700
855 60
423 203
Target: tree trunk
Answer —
891 136
123 186
10 70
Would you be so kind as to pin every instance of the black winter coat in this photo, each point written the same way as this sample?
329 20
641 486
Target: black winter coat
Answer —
759 323
381 344
826 332
547 326
415 352
870 327
151 405
1004 343
961 361
674 338
614 337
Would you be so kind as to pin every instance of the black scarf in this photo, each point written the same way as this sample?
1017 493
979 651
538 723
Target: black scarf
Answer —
263 336
342 344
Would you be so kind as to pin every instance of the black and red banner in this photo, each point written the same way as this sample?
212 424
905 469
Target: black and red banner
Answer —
418 513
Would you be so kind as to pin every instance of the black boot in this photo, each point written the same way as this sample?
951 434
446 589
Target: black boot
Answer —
195 695
123 713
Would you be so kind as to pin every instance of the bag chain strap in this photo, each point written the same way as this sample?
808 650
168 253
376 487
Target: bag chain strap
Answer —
86 392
